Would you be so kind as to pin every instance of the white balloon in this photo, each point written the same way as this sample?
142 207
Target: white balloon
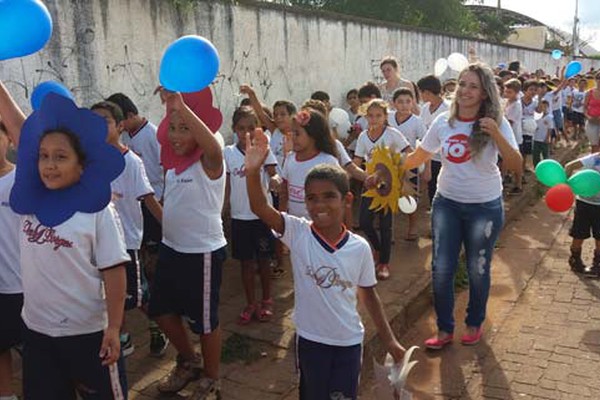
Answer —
440 66
339 120
457 61
407 204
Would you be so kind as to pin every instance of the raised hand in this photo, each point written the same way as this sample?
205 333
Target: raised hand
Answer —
173 100
257 148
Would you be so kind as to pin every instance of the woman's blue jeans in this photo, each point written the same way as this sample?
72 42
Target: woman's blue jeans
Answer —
477 226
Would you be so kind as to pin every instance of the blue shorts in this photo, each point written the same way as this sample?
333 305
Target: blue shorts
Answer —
251 240
137 285
188 284
11 328
328 372
558 119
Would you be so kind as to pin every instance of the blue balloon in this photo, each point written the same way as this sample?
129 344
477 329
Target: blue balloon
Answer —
557 54
25 27
189 64
41 90
573 68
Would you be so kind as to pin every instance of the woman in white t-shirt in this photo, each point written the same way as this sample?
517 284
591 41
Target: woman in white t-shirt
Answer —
389 68
467 209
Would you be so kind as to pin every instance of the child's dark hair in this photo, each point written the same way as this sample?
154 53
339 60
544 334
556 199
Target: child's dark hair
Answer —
243 112
113 108
529 83
320 95
289 106
73 141
403 92
125 103
318 129
329 173
369 89
352 92
430 83
513 84
514 66
315 105
545 102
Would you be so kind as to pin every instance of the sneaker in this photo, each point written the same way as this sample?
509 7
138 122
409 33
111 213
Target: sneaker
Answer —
207 389
127 347
594 271
383 272
576 263
185 371
158 342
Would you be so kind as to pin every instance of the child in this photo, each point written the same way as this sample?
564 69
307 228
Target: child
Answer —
128 190
577 107
11 289
530 104
188 274
413 130
353 112
586 219
73 310
332 268
513 111
378 134
312 145
251 240
543 132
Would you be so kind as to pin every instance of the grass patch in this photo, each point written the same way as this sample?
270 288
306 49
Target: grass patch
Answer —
239 348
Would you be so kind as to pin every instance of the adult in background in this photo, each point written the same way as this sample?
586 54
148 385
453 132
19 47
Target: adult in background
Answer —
467 208
391 74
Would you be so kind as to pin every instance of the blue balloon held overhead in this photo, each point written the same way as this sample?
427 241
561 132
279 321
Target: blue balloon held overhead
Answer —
557 54
41 90
189 64
573 68
25 27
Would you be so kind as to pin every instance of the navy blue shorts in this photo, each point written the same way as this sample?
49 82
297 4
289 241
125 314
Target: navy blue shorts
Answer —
152 228
11 328
251 240
586 221
188 284
137 284
527 146
60 368
328 372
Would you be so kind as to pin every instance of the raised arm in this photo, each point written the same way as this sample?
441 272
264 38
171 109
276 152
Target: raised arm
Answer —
11 115
264 119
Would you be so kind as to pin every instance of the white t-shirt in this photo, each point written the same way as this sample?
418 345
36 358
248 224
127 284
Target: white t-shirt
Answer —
192 211
461 178
543 124
343 156
145 144
10 270
238 195
549 97
591 161
326 279
513 111
62 271
127 190
427 116
412 128
390 137
277 148
578 101
557 100
528 126
565 94
294 173
364 125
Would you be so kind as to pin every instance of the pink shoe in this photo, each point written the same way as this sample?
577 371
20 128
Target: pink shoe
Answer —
436 343
470 340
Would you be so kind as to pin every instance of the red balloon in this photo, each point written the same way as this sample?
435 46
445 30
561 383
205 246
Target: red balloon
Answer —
560 197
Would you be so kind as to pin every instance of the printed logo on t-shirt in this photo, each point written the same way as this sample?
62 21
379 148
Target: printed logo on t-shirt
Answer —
41 234
327 277
239 172
5 204
456 148
296 193
184 180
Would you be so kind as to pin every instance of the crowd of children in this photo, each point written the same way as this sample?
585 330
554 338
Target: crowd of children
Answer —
289 182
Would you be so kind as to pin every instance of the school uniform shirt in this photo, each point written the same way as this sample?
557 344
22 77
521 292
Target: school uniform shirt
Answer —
390 137
277 148
462 178
192 211
557 101
578 101
127 190
294 173
362 121
326 279
591 161
144 143
10 270
565 94
549 97
62 271
238 195
412 127
528 125
513 111
343 156
543 124
428 116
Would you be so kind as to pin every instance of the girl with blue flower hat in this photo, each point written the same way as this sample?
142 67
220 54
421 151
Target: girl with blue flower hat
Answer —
72 250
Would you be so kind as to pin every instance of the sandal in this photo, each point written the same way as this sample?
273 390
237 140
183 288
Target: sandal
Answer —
246 315
266 310
383 272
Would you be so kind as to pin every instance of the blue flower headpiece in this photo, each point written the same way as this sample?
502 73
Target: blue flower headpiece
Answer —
103 164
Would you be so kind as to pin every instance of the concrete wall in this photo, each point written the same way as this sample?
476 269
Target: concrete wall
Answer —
102 46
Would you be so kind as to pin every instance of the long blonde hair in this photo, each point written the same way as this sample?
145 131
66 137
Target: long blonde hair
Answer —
490 106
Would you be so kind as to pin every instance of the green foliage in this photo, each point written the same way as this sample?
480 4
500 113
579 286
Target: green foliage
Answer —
495 28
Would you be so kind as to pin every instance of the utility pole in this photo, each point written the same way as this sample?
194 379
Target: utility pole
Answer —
575 46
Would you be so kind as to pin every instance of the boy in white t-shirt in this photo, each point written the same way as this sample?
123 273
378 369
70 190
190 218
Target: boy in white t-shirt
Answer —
129 191
577 107
332 269
543 133
513 111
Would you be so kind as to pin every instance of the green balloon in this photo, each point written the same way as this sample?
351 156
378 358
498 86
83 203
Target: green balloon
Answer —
585 183
550 173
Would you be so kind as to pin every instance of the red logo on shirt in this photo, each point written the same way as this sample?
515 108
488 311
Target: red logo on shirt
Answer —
41 234
457 148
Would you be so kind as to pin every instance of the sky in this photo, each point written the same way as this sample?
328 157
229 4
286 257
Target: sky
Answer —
559 14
